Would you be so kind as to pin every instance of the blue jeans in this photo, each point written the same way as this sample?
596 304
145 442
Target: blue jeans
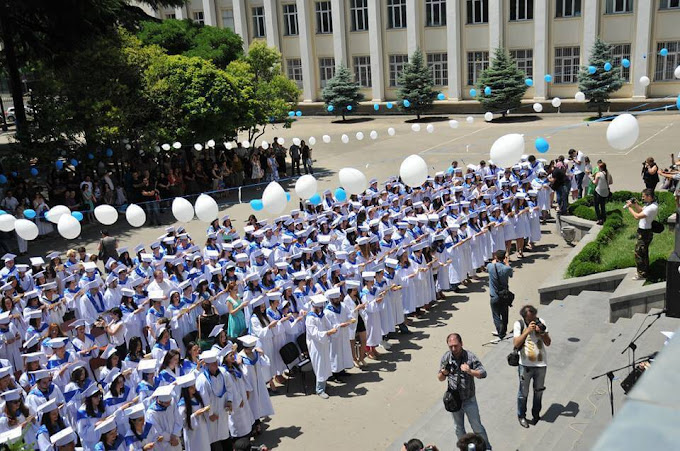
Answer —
579 183
320 387
526 374
563 198
471 409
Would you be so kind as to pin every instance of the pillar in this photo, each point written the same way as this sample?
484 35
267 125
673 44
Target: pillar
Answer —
641 51
453 48
495 26
591 20
375 44
413 25
541 51
306 55
241 22
271 23
339 32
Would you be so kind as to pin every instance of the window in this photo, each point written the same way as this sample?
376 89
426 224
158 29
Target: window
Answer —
477 11
619 52
228 19
396 13
477 62
567 62
326 70
619 6
439 66
294 70
524 60
170 16
198 17
669 4
397 63
290 20
435 13
324 21
362 70
359 14
258 22
568 8
522 9
665 65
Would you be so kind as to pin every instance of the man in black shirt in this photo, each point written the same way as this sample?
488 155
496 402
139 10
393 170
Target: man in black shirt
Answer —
294 152
560 184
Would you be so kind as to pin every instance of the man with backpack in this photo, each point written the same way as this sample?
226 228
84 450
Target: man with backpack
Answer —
499 278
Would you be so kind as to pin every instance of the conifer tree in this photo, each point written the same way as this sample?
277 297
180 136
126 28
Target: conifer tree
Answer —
597 86
416 86
506 81
342 92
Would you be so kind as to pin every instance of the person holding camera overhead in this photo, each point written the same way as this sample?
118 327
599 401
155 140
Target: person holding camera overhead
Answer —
645 216
650 173
531 338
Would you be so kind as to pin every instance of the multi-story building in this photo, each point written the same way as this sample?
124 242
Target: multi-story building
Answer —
458 37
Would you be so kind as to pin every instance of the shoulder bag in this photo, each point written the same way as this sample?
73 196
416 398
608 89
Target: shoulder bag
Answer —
504 294
513 357
452 401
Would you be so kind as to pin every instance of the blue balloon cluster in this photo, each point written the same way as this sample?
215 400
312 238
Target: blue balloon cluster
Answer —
78 215
407 103
625 63
542 145
330 108
291 113
256 204
473 92
109 153
298 113
389 105
340 195
592 70
487 91
441 96
376 107
34 172
315 199
548 78
29 213
529 82
607 66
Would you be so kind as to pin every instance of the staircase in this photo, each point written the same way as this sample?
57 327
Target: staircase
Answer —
576 409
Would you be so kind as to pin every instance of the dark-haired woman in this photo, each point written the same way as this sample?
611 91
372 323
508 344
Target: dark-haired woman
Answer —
90 412
52 422
194 413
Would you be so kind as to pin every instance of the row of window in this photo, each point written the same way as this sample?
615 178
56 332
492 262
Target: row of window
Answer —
567 63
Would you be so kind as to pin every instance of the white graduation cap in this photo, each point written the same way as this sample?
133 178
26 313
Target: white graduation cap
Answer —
209 356
188 380
7 257
368 275
58 342
90 390
147 366
352 284
48 406
10 436
52 255
108 352
164 393
258 301
63 437
5 317
30 314
134 412
318 300
248 341
32 356
22 268
112 375
34 340
216 330
107 425
37 261
12 395
89 266
333 293
40 374
78 323
5 371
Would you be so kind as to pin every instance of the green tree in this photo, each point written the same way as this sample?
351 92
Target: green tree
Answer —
416 86
599 85
506 82
342 92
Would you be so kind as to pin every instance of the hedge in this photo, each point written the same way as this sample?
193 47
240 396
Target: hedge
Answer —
587 261
583 208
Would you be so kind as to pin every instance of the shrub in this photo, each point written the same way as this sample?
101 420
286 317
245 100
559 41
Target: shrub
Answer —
589 253
584 269
667 206
584 212
586 201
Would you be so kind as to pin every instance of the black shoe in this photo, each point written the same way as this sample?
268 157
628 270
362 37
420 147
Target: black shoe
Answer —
523 422
535 419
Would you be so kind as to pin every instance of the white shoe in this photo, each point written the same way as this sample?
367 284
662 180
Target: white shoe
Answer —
385 345
638 277
323 395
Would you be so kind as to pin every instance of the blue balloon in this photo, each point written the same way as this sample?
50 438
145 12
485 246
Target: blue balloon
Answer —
74 162
14 174
349 107
529 82
291 113
330 108
376 107
441 96
625 63
109 153
340 195
677 103
3 212
542 145
298 113
607 66
78 215
473 92
592 70
34 172
287 197
59 164
487 91
548 78
315 199
29 213
256 204
663 52
90 156
407 103
389 105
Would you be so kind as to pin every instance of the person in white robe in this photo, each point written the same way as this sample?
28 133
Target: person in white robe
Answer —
319 334
138 436
212 383
253 361
164 418
340 318
109 438
241 418
194 413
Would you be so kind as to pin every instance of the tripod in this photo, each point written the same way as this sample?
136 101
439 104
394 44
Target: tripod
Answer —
632 346
610 378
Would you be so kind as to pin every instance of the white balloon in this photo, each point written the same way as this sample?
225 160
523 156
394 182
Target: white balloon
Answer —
56 212
373 134
165 146
469 119
391 131
430 128
281 141
326 139
274 199
556 102
177 145
644 80
580 97
306 186
106 214
538 107
211 143
352 180
312 140
265 145
360 136
198 146
135 215
413 171
453 123
415 127
228 145
182 209
507 150
623 131
245 144
26 229
7 222
206 208
68 227
296 141
128 146
344 138
488 116
677 75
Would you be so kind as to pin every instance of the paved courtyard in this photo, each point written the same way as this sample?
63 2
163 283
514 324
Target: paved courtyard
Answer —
377 404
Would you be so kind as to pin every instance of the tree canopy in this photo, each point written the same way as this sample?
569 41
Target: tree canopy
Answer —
416 86
342 92
598 85
506 81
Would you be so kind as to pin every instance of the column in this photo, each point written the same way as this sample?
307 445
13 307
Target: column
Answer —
453 48
496 26
306 54
271 23
541 52
209 15
180 13
641 54
591 20
339 32
413 25
241 22
375 44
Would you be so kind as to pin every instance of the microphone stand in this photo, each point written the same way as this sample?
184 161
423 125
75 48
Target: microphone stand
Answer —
610 378
632 346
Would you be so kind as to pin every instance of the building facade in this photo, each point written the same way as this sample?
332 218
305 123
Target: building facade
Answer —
458 37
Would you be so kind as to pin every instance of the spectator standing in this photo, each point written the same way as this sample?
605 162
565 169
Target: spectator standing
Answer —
280 153
107 247
459 367
650 173
499 278
560 184
579 169
645 216
531 338
294 153
601 179
9 203
150 198
306 157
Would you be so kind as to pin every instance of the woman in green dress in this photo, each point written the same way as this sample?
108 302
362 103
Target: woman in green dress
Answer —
237 318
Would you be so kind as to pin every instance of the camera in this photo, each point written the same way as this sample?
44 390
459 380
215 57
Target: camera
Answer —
539 325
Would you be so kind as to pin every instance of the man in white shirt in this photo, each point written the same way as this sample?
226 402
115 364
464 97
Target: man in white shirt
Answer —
9 203
645 216
579 169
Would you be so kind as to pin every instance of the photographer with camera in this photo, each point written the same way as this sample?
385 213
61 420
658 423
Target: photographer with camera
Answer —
650 173
459 367
531 338
645 216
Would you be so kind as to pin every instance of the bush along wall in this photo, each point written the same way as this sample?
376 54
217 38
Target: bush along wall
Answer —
588 260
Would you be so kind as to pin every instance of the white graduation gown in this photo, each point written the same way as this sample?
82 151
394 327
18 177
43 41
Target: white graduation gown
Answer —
164 421
253 370
319 345
340 350
215 392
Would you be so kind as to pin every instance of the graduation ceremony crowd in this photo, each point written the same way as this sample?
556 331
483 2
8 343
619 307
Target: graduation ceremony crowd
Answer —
177 344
